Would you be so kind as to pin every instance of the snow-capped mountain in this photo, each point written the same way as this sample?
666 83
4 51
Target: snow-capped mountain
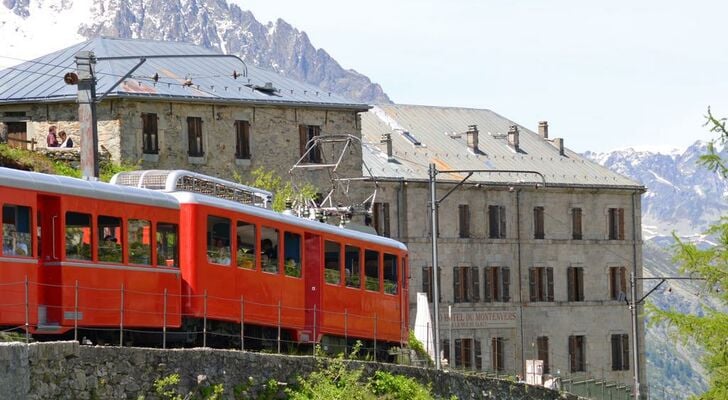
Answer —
682 196
30 28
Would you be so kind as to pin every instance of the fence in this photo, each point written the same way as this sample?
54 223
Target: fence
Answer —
23 143
128 309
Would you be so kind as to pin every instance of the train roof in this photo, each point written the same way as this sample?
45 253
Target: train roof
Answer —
79 187
195 198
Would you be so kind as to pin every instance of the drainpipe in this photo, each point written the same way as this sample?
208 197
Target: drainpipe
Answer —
520 282
635 306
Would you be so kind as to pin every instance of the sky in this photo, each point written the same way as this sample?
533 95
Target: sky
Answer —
606 75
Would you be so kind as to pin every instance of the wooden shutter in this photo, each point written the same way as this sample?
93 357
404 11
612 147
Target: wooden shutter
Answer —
458 352
478 355
385 220
427 282
487 282
576 224
625 352
570 279
456 285
502 219
532 273
506 279
572 353
302 139
474 284
579 284
620 214
616 353
464 220
542 344
538 223
550 283
622 280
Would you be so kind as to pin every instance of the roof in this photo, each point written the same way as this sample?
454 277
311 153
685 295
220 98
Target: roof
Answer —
441 132
210 73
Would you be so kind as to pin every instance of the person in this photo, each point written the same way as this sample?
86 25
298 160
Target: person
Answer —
66 141
51 139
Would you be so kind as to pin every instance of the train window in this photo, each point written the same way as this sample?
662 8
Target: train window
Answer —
218 240
140 241
78 236
352 268
17 240
246 240
292 254
332 261
167 245
371 270
109 238
390 273
269 249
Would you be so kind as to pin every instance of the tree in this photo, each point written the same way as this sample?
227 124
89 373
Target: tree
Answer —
282 192
710 330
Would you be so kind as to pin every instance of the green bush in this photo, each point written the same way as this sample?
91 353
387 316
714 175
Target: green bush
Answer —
398 387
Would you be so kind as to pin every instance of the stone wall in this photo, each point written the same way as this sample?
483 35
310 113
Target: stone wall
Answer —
65 370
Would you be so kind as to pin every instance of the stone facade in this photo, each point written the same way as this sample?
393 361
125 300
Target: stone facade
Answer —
65 370
520 321
274 134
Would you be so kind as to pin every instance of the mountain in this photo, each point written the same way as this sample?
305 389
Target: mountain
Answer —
685 198
47 25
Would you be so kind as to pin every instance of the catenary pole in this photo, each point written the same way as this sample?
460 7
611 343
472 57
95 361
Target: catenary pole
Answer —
85 61
436 283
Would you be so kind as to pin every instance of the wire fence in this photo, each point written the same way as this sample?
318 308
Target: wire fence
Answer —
122 316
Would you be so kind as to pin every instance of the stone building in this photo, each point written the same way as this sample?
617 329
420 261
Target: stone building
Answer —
203 111
532 265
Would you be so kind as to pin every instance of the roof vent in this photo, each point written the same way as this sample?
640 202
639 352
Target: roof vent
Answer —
513 137
411 138
543 129
386 140
559 143
472 136
266 88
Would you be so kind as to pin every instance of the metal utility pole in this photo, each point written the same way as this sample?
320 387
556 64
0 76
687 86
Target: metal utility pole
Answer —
85 61
436 284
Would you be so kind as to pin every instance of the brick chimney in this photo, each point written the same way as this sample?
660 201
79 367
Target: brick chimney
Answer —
543 129
472 136
386 140
513 137
559 143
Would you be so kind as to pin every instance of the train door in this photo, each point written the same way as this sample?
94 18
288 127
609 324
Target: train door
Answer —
313 272
50 247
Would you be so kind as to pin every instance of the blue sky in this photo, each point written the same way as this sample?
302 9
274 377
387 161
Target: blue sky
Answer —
605 75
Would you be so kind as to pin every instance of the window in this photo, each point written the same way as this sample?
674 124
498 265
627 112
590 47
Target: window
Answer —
464 353
167 245
218 240
17 240
381 219
371 270
575 283
617 283
497 359
446 350
139 237
269 249
390 274
620 352
194 137
292 254
150 137
246 237
352 269
109 239
576 224
497 222
538 228
496 281
332 263
428 284
542 350
616 224
464 220
242 140
78 236
466 284
308 148
577 356
541 283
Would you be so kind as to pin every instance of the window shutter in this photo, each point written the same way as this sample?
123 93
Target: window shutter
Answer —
475 284
576 224
550 283
616 353
572 353
570 283
427 282
623 280
487 282
456 285
506 279
502 219
385 220
625 352
532 284
464 219
302 139
621 223
580 284
478 355
458 352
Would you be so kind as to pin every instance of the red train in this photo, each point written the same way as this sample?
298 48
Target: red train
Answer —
192 256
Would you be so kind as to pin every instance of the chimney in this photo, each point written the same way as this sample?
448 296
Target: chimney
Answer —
543 129
513 137
472 136
386 139
559 143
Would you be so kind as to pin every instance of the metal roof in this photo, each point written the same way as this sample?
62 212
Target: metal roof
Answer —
212 80
441 132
